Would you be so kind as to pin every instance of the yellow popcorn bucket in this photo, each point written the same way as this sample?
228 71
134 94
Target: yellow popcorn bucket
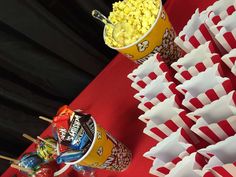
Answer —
159 38
106 152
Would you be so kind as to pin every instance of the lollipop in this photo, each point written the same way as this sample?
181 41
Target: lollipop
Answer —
45 148
38 169
29 163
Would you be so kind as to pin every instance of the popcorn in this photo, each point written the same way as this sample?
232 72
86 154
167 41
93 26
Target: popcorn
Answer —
138 15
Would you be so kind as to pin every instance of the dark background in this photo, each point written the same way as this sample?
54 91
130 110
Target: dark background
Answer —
49 51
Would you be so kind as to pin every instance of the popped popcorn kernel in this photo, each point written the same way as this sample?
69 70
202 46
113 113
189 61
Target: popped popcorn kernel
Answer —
136 17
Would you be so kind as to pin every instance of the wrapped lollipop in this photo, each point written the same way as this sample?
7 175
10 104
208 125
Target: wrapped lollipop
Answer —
45 148
32 166
29 163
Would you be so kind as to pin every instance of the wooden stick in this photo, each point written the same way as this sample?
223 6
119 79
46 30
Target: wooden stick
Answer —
10 159
45 141
30 138
29 171
45 119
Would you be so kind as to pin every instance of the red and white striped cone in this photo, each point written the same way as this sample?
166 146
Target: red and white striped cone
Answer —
221 158
194 57
169 89
216 125
147 72
164 110
198 68
162 165
189 166
190 38
199 91
219 11
162 131
153 88
230 59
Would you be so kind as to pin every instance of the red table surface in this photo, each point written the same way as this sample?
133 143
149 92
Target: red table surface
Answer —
109 98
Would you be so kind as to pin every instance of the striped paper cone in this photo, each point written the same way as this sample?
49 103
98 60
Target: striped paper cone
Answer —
199 91
169 89
227 170
217 120
153 88
230 60
160 69
147 72
163 111
215 132
190 166
199 67
221 158
226 35
144 69
162 131
194 34
195 56
164 161
219 11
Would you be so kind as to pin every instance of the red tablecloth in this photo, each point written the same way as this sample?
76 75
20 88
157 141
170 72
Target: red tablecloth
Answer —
109 98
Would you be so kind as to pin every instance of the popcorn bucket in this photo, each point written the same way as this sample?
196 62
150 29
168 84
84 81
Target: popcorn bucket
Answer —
158 39
105 152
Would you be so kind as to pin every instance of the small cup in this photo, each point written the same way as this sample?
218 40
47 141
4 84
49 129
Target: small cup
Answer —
158 39
105 152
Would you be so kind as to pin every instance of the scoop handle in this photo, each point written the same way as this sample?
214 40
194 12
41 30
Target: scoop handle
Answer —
98 15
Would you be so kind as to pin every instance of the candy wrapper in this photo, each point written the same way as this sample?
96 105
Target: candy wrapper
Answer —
221 157
168 89
147 72
194 33
31 161
200 90
196 56
230 59
46 151
217 120
162 131
162 111
165 156
226 35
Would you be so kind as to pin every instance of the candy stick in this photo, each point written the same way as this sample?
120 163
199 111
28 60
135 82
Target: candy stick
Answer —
45 141
30 138
45 119
10 159
29 171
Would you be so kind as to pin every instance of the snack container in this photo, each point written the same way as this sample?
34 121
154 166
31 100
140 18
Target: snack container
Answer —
158 39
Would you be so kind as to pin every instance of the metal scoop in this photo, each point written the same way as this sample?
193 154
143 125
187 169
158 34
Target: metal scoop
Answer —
120 30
